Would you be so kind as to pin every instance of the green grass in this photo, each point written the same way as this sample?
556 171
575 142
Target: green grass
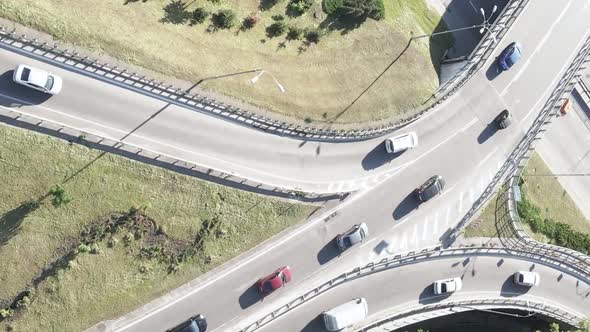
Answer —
544 192
321 80
104 286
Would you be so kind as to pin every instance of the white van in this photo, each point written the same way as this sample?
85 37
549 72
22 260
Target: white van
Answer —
346 314
401 143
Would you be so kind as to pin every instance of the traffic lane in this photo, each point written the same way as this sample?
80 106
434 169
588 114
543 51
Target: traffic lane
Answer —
411 285
533 13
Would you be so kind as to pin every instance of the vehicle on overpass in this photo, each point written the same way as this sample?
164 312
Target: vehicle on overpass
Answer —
37 79
430 188
345 315
446 286
353 236
197 323
527 278
274 281
510 56
401 142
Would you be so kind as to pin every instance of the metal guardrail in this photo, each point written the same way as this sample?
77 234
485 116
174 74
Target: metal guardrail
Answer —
519 156
413 257
92 140
168 93
545 308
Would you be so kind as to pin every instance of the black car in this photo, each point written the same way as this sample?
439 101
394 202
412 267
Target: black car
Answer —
197 323
503 120
430 188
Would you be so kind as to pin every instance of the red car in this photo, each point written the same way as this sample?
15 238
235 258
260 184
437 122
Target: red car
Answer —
274 281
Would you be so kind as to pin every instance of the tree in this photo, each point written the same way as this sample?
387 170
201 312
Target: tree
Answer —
224 19
276 29
298 7
355 8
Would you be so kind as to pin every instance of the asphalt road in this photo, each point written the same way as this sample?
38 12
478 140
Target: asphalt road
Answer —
458 142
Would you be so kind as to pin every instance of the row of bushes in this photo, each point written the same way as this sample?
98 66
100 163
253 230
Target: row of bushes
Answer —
559 233
360 9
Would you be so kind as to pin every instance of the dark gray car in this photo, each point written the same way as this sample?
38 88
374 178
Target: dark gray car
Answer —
430 188
197 323
503 120
353 236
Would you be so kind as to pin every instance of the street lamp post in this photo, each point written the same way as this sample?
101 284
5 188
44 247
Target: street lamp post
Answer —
255 79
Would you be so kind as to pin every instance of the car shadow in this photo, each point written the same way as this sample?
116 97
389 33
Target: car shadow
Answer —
314 325
407 205
510 289
328 252
250 297
493 71
427 296
487 132
19 95
378 157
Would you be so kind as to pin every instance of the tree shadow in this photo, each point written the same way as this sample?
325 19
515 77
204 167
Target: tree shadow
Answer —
510 289
487 132
11 221
407 205
249 297
344 24
378 157
175 13
328 252
314 325
133 1
267 4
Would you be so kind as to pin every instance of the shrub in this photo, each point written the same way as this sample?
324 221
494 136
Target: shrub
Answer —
267 4
356 8
112 242
313 35
224 19
276 29
294 33
298 7
95 249
128 237
199 15
23 303
59 196
215 1
6 313
278 17
82 248
250 21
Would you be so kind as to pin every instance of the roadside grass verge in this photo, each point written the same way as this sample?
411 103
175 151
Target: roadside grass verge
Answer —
92 287
542 195
321 79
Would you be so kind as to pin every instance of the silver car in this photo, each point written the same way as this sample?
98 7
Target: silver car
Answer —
446 286
355 235
37 79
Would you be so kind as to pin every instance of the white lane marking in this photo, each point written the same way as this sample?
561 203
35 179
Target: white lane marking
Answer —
557 77
487 157
435 224
490 175
425 228
537 48
448 216
415 233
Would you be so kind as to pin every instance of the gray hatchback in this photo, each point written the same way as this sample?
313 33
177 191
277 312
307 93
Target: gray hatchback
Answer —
430 188
353 236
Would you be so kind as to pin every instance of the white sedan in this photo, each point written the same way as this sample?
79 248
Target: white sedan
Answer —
37 79
447 286
401 143
526 278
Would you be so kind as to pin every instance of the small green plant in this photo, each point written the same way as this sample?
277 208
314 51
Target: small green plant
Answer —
59 196
129 237
199 15
276 29
112 242
224 19
294 33
23 303
6 313
95 249
299 7
82 248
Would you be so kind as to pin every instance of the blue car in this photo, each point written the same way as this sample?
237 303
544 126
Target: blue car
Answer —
509 56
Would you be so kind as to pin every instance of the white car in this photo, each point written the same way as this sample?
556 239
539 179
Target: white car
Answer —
526 278
37 79
447 286
401 143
